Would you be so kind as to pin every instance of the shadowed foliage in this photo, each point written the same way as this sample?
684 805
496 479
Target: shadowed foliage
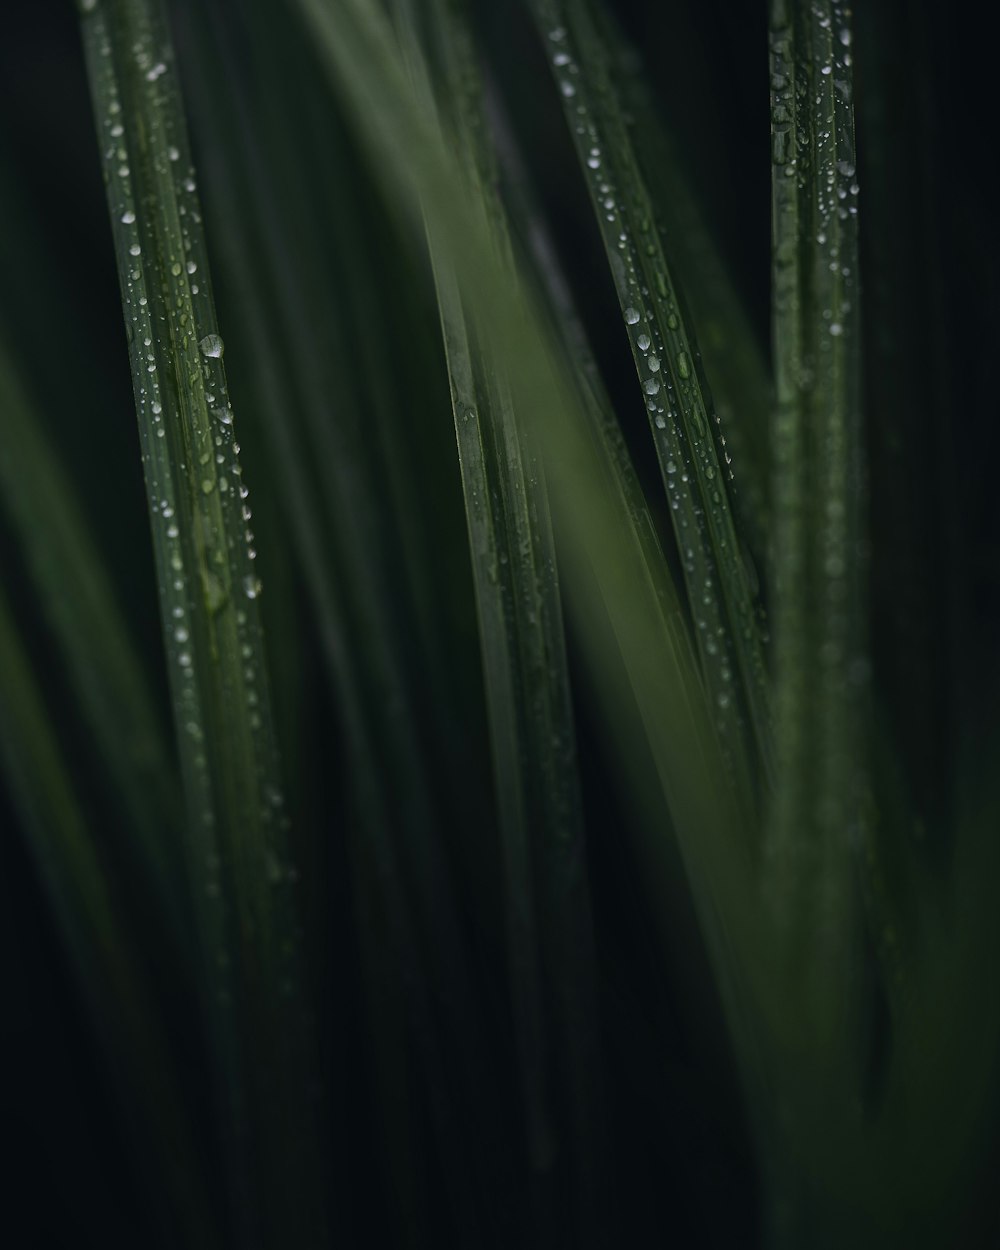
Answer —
506 757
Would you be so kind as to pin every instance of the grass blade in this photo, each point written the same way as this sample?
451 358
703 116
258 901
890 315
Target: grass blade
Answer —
209 587
684 427
733 358
527 686
820 667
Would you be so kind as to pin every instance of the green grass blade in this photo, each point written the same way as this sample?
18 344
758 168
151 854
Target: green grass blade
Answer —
209 587
820 667
80 606
527 688
733 358
684 427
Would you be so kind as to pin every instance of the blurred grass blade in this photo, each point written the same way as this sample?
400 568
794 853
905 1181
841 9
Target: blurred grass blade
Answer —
99 950
733 359
240 876
818 613
685 429
80 606
664 700
527 685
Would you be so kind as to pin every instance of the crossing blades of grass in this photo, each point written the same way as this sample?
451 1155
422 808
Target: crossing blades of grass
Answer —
606 573
240 877
689 441
819 659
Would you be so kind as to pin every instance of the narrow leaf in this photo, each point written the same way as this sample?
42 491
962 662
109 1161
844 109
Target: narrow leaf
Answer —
819 608
209 586
684 426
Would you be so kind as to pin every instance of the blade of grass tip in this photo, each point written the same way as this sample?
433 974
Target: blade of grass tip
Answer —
385 862
689 441
80 606
524 660
240 876
734 361
820 669
664 701
119 1002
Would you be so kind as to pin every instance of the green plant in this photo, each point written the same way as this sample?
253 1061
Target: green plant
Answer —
578 826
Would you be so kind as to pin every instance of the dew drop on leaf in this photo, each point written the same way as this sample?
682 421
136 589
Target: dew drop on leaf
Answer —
212 345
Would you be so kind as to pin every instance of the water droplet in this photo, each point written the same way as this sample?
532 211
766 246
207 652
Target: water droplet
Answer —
643 341
660 421
652 386
128 217
683 366
134 250
631 316
836 329
251 586
212 345
654 363
568 90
